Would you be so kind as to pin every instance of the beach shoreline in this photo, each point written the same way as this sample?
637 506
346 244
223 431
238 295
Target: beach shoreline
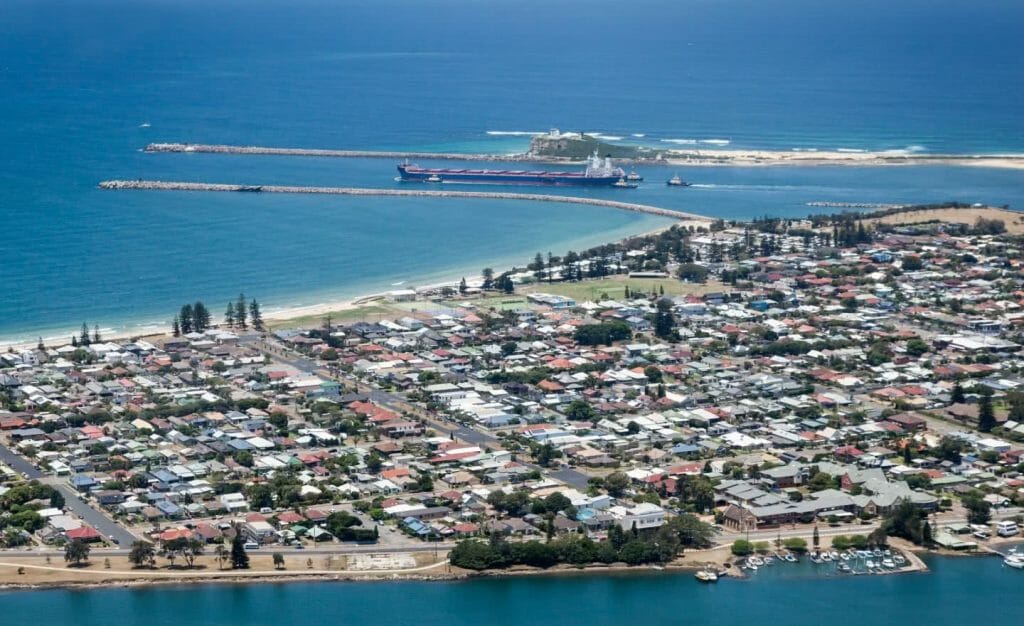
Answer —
278 317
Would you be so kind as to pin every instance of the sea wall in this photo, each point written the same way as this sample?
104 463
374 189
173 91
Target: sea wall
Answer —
159 185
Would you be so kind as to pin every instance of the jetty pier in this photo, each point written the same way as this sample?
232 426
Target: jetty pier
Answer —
159 185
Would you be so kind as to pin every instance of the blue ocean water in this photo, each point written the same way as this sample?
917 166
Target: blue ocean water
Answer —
957 591
84 85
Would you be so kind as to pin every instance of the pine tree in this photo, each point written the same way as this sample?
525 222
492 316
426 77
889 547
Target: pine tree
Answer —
239 559
83 337
175 327
255 315
96 333
986 414
229 315
74 341
462 286
957 394
241 312
200 316
40 345
185 319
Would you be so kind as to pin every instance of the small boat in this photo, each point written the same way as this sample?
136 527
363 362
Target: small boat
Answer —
623 184
826 557
768 560
706 575
844 556
634 177
675 181
899 559
755 560
834 555
815 558
888 563
434 178
877 553
790 558
1014 561
843 568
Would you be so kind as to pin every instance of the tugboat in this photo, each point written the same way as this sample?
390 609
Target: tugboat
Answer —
622 184
634 177
675 181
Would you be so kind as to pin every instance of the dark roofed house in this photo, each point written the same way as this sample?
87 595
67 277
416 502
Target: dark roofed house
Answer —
908 421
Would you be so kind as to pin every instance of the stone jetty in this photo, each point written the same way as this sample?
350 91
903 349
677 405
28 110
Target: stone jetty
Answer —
345 154
159 185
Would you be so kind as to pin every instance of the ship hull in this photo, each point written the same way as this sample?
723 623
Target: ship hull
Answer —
504 177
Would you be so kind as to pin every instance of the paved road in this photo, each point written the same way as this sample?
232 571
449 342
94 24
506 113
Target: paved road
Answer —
106 526
440 546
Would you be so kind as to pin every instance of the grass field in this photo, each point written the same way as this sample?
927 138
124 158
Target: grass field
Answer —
372 312
615 288
1014 220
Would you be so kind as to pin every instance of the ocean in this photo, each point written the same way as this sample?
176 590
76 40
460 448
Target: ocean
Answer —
85 85
958 590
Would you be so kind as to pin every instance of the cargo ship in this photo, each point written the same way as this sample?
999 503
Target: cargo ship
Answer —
598 173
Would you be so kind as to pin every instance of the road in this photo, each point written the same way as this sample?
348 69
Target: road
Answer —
399 404
106 526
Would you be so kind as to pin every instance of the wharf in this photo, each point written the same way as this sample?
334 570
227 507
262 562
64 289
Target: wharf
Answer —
157 185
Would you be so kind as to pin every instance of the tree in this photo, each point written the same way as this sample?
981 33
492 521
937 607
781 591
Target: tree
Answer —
241 312
986 414
229 315
664 320
795 544
200 317
186 547
142 553
816 539
462 286
488 276
916 347
545 454
176 327
239 559
374 462
185 319
912 263
278 560
221 554
979 511
580 411
693 273
742 547
957 394
76 551
255 315
616 484
96 333
83 337
603 333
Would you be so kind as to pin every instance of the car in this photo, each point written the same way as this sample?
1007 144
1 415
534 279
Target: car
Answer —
981 534
299 546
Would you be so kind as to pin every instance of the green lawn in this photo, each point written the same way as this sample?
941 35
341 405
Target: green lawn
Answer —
372 312
615 287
